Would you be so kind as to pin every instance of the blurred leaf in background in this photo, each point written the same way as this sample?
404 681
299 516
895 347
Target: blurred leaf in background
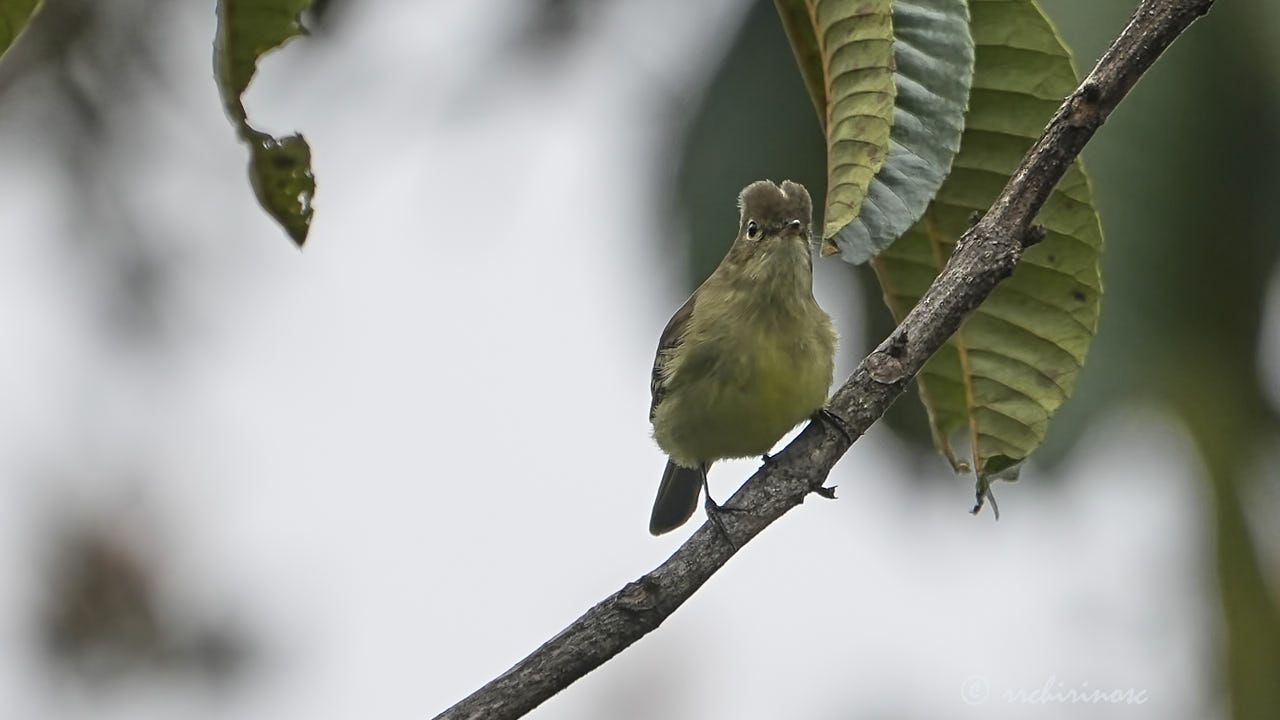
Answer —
72 89
1194 224
105 618
71 83
756 121
101 615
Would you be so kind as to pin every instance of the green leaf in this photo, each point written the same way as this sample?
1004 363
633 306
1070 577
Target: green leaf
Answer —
279 167
1002 376
14 15
933 72
280 173
845 52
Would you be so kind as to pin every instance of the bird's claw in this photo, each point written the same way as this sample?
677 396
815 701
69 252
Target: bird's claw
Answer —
714 511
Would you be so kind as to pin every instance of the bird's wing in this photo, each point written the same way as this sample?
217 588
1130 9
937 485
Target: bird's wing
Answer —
671 338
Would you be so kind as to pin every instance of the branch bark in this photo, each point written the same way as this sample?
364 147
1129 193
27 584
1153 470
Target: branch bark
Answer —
986 254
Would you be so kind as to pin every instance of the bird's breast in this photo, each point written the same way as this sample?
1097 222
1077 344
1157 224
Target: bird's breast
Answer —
740 388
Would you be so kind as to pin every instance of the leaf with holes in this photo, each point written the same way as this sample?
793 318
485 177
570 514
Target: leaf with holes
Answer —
845 52
279 167
1000 379
14 16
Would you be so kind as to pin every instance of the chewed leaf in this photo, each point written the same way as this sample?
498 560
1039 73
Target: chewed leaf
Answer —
845 52
247 30
1013 363
280 171
279 167
933 72
14 16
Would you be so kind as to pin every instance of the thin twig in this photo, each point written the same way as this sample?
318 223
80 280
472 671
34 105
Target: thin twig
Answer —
986 254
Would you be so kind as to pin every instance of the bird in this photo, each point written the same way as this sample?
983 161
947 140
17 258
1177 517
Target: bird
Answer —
746 358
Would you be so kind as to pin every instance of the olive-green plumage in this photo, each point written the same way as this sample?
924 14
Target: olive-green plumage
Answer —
747 357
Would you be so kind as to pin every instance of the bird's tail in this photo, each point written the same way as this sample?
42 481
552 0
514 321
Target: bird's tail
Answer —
677 497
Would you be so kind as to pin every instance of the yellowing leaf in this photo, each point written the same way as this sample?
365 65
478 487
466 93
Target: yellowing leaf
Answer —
845 52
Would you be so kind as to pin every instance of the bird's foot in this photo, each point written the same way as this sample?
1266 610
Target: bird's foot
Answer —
714 511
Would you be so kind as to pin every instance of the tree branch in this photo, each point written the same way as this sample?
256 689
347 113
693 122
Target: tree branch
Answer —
986 254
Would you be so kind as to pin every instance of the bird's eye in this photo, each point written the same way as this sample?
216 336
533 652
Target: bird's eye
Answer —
794 225
752 229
